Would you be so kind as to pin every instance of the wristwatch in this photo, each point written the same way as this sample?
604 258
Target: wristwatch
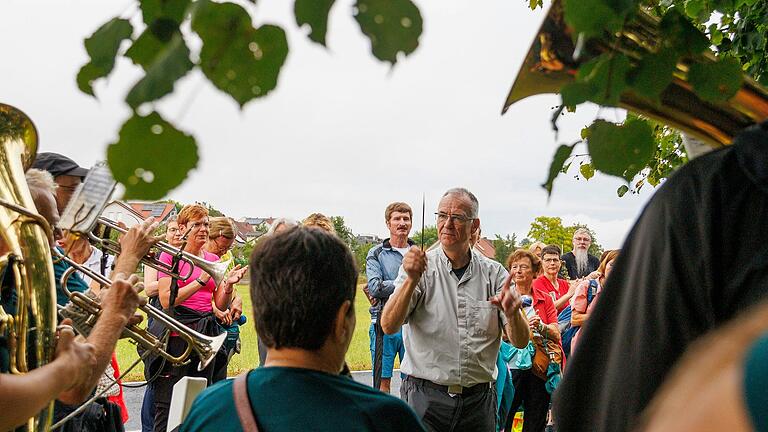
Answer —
198 280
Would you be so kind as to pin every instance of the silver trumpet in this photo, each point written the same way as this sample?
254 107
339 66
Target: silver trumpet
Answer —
217 270
206 347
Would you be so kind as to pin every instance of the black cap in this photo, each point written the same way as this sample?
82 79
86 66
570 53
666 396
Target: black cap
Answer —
57 165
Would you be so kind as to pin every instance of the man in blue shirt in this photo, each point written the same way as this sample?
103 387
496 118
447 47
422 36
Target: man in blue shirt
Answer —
300 387
382 265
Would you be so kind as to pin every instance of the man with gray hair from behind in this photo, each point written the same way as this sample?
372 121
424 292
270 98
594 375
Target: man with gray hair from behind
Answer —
457 304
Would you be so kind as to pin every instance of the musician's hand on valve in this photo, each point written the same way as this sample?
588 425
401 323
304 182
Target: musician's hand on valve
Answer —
121 299
78 357
139 239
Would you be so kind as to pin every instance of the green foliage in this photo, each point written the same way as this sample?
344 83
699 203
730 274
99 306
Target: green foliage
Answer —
430 236
172 62
139 159
393 26
641 151
242 253
504 247
245 62
360 252
620 150
550 230
102 46
716 82
237 58
561 155
315 14
342 230
212 211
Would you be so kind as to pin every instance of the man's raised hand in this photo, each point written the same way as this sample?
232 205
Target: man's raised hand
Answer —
415 263
508 300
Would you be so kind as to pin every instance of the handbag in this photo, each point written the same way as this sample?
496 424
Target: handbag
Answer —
547 351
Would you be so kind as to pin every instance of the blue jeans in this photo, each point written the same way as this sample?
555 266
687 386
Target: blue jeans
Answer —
393 346
148 410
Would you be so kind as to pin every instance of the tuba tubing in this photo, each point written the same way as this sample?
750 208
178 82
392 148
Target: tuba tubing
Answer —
31 327
550 64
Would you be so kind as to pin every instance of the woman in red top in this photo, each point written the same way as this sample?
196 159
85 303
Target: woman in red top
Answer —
548 282
530 390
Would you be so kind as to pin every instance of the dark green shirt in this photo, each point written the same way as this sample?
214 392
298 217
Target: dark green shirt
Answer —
292 399
756 383
75 283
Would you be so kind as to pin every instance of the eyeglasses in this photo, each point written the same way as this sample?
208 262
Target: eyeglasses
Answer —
551 260
455 218
516 267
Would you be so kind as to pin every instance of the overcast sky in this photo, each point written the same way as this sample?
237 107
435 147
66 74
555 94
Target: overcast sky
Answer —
343 134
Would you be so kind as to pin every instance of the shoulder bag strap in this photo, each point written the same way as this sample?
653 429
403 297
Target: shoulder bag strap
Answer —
243 404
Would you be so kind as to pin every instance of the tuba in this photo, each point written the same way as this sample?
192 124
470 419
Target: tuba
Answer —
29 326
551 63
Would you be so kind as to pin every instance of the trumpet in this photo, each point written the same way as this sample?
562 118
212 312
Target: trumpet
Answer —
206 347
217 270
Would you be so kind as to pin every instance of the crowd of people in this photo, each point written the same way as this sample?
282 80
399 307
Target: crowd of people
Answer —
483 345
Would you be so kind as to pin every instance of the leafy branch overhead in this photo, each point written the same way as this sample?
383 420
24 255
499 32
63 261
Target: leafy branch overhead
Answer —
239 58
708 43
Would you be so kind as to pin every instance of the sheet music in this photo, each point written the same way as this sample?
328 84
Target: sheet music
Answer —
89 200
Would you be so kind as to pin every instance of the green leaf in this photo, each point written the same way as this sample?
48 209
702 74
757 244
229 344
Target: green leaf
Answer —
171 64
173 10
576 93
620 150
393 26
238 59
592 17
561 155
654 73
151 157
694 8
623 189
152 42
682 36
86 76
102 47
315 14
587 171
716 82
601 80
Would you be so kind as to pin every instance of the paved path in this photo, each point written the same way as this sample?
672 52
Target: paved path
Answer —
134 396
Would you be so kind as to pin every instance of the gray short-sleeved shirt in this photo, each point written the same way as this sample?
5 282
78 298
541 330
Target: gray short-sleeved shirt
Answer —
453 331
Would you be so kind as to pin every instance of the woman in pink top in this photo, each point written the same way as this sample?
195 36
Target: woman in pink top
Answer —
192 306
581 307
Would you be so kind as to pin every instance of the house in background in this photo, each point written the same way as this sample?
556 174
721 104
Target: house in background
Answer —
251 228
368 239
483 245
118 211
161 211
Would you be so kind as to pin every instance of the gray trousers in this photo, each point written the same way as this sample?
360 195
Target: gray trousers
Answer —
441 412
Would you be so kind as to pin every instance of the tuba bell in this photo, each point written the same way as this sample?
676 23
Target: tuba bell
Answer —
551 63
29 325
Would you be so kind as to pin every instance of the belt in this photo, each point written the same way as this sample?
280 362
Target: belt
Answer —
453 389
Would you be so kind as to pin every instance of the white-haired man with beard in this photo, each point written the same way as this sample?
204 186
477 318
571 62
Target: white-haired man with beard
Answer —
579 263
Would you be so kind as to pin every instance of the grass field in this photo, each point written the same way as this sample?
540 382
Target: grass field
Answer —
358 356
